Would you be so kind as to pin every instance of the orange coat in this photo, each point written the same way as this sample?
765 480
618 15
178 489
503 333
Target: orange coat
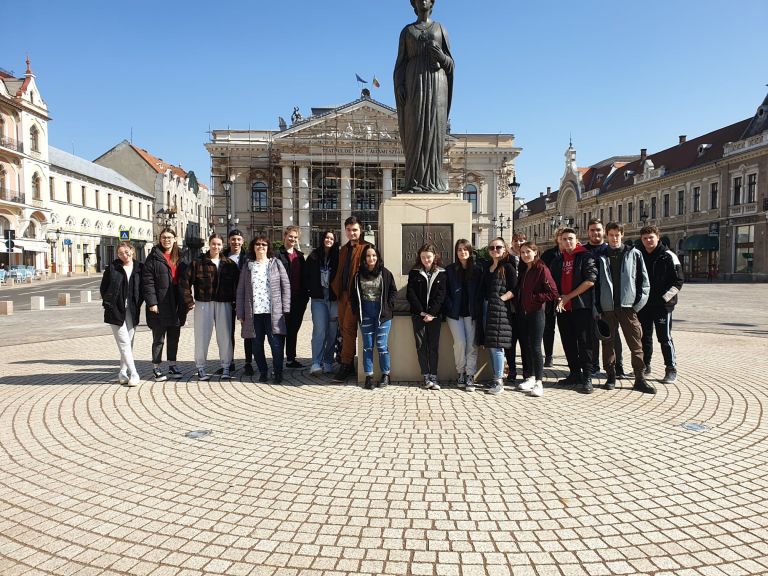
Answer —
354 264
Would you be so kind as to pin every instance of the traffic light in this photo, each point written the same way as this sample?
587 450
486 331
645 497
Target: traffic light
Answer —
10 236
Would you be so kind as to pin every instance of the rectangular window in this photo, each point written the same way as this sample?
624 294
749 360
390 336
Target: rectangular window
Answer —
641 213
751 188
665 206
149 212
602 216
745 249
82 195
96 197
737 191
620 210
259 197
629 211
713 196
52 188
653 208
470 195
680 202
130 207
696 199
120 205
109 202
610 213
69 192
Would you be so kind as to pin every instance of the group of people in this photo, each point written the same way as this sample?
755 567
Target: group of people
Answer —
592 292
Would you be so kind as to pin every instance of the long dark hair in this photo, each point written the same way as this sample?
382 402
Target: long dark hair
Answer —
252 246
469 270
537 261
363 269
175 254
428 247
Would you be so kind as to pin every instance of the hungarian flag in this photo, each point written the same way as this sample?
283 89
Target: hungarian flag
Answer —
376 82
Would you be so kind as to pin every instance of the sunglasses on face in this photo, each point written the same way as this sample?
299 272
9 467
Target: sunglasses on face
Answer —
260 244
496 247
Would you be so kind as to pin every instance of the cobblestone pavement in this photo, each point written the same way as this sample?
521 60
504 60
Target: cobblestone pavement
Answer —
313 478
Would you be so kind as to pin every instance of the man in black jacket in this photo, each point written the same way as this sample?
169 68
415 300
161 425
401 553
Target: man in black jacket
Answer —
548 256
293 262
575 273
236 253
666 276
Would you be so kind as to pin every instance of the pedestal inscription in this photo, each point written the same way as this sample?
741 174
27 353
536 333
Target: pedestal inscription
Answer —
416 235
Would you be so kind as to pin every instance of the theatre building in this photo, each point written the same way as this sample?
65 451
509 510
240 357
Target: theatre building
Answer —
340 161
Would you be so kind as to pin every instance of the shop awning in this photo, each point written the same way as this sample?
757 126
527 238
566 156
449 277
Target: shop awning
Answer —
30 245
701 242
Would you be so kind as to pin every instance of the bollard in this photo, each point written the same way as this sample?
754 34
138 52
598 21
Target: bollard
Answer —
63 298
6 307
37 303
85 296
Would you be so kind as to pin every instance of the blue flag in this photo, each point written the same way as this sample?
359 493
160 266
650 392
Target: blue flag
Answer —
360 79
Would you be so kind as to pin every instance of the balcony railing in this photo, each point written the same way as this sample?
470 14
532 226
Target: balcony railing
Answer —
8 195
11 143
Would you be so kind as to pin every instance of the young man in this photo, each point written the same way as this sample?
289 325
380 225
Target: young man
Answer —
666 276
293 261
575 273
349 262
236 253
622 290
597 246
548 257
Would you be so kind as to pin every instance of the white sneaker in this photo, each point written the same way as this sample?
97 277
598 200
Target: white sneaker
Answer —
316 370
133 381
225 374
427 382
201 375
462 381
122 378
527 384
538 389
497 388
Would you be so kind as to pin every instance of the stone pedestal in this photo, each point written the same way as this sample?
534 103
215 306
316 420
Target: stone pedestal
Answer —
37 302
85 296
405 223
6 307
63 299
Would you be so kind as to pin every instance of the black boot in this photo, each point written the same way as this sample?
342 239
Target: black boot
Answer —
368 382
586 386
277 378
610 381
548 362
642 385
384 382
343 373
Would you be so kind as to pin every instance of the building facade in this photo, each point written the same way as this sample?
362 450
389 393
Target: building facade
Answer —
24 206
708 196
180 201
342 161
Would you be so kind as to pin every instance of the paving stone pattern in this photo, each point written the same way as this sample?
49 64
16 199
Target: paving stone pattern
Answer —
313 478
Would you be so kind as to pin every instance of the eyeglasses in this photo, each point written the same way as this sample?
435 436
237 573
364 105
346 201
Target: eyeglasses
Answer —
495 247
262 244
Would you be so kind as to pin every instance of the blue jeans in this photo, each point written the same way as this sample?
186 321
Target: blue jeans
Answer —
325 325
497 361
262 325
373 330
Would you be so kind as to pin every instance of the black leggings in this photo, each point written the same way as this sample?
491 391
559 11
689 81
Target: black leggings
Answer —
531 336
158 338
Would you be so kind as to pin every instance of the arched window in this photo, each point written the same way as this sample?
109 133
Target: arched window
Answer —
470 195
259 201
3 183
36 185
34 139
31 231
2 130
4 224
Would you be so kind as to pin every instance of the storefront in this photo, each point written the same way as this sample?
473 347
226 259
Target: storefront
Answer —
700 256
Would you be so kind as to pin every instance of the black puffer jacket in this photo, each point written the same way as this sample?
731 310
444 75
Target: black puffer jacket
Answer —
426 295
497 327
388 296
116 289
160 291
666 276
312 271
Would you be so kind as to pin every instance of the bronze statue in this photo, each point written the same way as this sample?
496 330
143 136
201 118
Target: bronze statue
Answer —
423 89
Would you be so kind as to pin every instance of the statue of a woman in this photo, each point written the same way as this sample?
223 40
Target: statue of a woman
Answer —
423 82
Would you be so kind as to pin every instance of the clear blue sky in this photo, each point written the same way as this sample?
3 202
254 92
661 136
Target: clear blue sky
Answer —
618 76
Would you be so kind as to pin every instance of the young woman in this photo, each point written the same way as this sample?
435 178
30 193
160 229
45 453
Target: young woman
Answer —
121 297
263 303
518 238
426 295
499 282
213 279
535 287
320 270
463 308
373 303
166 313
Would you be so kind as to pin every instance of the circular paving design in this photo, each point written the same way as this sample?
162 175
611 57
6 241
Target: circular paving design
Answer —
309 477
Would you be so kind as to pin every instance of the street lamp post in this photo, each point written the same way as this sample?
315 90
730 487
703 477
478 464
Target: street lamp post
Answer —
227 185
53 240
514 187
501 224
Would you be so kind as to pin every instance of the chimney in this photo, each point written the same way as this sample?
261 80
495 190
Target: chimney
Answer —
541 194
682 138
549 190
643 154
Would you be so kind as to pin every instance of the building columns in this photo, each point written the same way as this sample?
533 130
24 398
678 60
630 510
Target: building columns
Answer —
346 193
287 197
304 209
386 184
